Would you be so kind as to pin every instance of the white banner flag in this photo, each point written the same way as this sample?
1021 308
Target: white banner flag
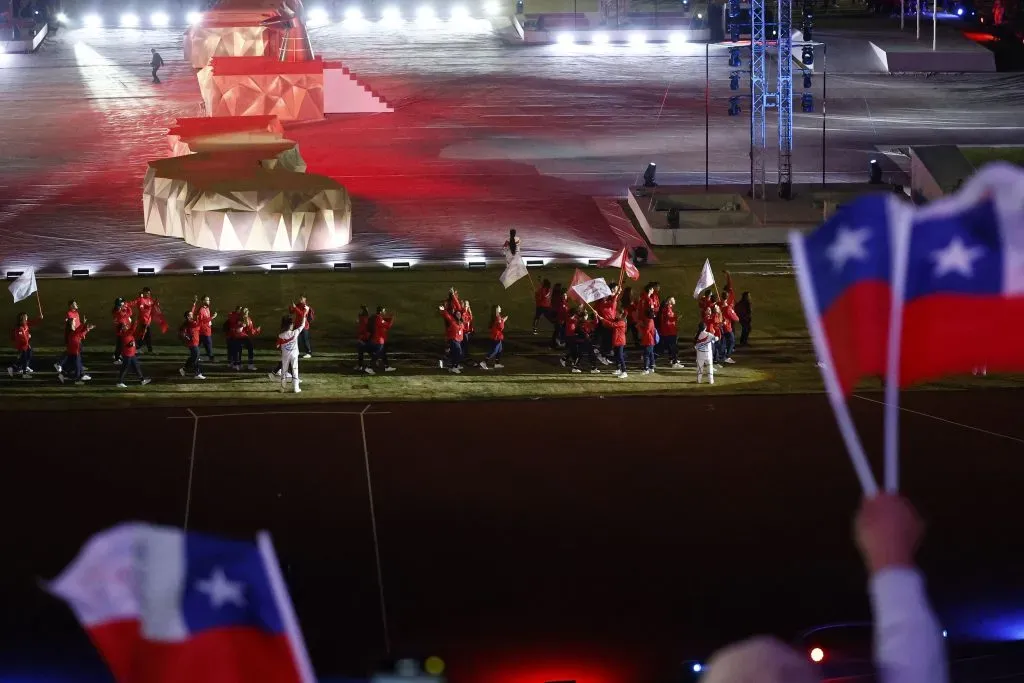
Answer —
514 272
24 286
592 290
707 279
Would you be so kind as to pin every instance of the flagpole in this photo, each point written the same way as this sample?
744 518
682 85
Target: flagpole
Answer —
901 227
858 458
40 303
279 591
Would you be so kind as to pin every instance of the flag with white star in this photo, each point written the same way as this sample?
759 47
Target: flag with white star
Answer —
164 605
844 275
965 276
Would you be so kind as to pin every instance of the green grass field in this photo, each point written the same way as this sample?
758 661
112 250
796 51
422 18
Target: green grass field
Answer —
979 156
779 360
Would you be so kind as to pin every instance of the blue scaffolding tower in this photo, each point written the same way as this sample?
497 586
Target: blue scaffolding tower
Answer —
758 98
761 99
785 99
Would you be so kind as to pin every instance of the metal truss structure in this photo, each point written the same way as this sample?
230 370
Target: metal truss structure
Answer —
784 98
758 98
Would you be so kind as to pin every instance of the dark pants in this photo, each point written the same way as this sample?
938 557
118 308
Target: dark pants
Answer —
193 363
117 348
465 343
557 335
744 332
605 337
234 352
379 352
634 333
496 349
454 353
648 357
572 352
155 78
671 346
76 363
538 313
246 343
207 343
586 346
24 359
147 339
129 363
361 348
620 357
305 345
728 344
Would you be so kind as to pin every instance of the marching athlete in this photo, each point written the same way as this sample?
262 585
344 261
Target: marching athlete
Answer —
647 332
454 333
74 334
21 335
121 314
362 337
288 342
497 340
247 329
542 299
303 315
380 325
205 316
668 328
617 326
189 335
144 303
74 318
467 325
129 361
704 344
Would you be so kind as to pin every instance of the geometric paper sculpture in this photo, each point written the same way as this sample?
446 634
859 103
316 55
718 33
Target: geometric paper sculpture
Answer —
241 199
345 94
204 42
254 86
207 134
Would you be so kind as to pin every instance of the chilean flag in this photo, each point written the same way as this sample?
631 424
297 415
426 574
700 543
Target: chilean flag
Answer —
621 260
163 606
843 272
964 294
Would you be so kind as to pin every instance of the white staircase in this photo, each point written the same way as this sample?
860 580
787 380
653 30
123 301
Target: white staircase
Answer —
344 94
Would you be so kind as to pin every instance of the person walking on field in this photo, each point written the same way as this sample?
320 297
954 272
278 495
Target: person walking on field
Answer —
744 311
129 361
380 324
205 316
704 344
288 342
156 62
74 333
189 335
497 340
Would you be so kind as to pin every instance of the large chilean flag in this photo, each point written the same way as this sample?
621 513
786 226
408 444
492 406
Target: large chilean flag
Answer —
843 270
964 295
164 606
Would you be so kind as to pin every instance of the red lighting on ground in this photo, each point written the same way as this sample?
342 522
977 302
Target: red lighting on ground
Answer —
979 37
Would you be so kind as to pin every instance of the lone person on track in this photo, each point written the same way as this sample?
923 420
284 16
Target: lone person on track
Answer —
156 63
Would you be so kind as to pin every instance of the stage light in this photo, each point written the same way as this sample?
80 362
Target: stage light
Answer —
697 668
637 39
391 15
146 271
874 172
353 15
211 269
62 18
159 19
474 265
93 21
492 8
193 17
401 265
425 14
318 16
652 168
129 20
592 261
959 11
699 15
676 39
599 39
534 262
459 13
279 266
565 38
342 266
945 634
14 274
80 272
817 655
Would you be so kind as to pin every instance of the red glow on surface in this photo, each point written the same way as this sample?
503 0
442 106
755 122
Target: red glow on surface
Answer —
546 669
979 37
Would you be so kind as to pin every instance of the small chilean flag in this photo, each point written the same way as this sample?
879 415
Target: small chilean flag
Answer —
843 271
964 295
621 260
163 606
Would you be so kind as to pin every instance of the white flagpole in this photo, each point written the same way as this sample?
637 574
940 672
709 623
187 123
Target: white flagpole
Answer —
903 13
900 218
835 394
935 22
284 605
918 20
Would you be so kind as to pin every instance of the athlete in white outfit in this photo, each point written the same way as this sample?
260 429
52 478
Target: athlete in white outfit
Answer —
704 344
288 341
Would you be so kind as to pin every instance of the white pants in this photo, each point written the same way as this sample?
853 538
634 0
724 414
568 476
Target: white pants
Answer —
705 361
290 364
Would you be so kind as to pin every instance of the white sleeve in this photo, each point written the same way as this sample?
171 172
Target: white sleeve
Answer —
909 647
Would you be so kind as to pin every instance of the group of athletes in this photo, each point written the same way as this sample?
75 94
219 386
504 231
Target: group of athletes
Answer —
588 334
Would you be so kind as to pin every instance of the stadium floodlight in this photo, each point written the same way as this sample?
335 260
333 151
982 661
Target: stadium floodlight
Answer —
129 20
62 18
637 39
599 39
391 15
459 13
817 655
425 14
492 8
675 38
353 15
93 21
159 19
565 38
318 16
193 17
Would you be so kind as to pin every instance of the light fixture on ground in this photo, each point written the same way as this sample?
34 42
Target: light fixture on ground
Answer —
652 168
492 8
279 266
146 271
211 269
425 14
565 38
459 13
401 265
342 266
637 39
353 15
159 19
129 20
14 274
80 272
391 15
193 17
599 39
62 18
874 172
534 262
92 21
474 265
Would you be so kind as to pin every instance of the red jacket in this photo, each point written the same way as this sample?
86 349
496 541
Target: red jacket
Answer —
571 323
728 317
631 311
498 329
127 336
302 315
205 318
543 297
643 307
646 332
668 325
618 328
381 325
74 340
190 329
454 330
467 321
562 310
145 306
247 330
22 336
122 316
364 328
72 314
232 326
589 325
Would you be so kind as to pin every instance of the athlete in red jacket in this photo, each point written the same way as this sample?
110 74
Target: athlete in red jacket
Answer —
145 303
232 332
362 337
668 328
121 314
454 334
618 341
72 319
205 316
381 325
129 361
190 332
75 334
467 326
247 329
302 314
497 340
542 301
728 343
21 336
560 313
